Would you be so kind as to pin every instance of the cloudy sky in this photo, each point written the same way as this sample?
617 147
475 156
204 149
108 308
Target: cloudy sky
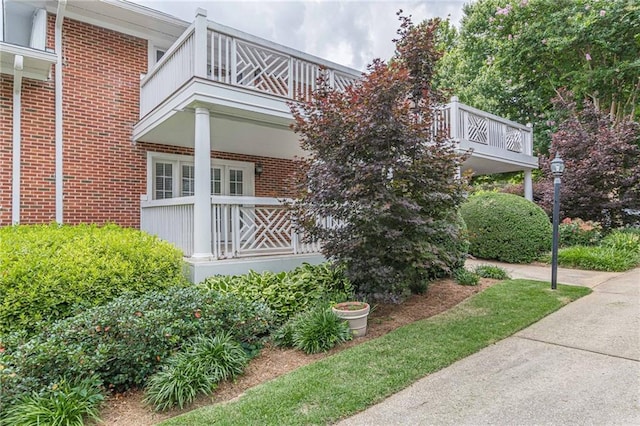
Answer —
349 32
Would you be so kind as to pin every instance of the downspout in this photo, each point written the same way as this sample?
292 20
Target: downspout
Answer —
62 4
17 131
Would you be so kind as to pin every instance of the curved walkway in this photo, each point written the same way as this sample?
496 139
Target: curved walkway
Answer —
578 366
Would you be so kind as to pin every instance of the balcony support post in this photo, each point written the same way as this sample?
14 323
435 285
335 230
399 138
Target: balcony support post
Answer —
528 185
202 186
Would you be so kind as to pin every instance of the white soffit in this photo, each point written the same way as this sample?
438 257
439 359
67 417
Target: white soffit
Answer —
123 16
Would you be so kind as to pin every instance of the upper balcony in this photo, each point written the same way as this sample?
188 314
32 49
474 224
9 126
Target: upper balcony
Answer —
246 81
223 56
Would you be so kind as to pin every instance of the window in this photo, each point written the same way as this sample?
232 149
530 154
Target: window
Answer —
163 180
188 180
174 176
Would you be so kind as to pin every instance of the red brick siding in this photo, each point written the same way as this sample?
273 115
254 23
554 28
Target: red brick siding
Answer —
104 171
6 114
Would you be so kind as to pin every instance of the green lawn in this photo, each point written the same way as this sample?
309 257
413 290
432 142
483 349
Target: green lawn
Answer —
356 378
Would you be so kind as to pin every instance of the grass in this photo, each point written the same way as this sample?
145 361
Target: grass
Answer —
356 378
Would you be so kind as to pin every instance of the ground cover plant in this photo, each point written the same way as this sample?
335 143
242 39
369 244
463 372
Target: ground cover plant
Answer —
63 403
287 293
506 227
326 391
197 368
619 251
50 272
124 341
313 331
382 172
491 271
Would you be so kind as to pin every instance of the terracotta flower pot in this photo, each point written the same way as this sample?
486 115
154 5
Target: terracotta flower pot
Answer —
355 313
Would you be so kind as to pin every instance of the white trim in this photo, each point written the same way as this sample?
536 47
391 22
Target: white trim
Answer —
17 135
59 176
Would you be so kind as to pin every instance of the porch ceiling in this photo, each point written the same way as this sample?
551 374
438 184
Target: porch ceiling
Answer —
484 166
229 133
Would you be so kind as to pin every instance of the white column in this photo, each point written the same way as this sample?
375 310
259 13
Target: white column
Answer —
17 136
202 187
528 185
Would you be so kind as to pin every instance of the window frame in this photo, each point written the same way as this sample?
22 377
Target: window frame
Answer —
178 160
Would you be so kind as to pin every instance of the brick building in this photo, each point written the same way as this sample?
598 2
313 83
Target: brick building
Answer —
116 113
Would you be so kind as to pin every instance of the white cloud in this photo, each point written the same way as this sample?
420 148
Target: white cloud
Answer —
351 33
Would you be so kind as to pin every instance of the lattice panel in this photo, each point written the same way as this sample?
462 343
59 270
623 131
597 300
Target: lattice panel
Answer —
477 129
513 139
341 81
264 228
262 69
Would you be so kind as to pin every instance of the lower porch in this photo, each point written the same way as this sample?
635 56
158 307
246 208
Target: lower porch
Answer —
244 233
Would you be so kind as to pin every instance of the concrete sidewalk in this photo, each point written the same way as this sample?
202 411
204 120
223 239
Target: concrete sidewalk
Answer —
578 366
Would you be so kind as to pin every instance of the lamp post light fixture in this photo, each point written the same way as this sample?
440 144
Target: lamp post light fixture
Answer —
557 168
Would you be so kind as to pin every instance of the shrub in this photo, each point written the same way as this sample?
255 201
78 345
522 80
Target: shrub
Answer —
319 330
577 232
287 294
491 271
465 277
124 341
50 272
197 368
62 403
381 170
506 227
601 180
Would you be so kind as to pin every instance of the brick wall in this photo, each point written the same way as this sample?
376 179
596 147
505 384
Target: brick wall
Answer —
104 171
6 114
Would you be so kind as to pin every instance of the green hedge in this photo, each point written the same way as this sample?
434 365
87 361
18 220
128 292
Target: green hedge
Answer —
506 227
123 341
50 272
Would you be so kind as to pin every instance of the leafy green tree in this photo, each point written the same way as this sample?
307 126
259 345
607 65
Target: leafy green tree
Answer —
383 173
512 57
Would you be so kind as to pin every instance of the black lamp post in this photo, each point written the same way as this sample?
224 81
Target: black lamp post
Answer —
557 168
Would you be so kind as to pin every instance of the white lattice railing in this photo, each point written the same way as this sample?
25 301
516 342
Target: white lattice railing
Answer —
241 226
467 123
224 55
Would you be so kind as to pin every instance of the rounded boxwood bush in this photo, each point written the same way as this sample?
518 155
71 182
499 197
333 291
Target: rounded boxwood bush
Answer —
506 227
50 272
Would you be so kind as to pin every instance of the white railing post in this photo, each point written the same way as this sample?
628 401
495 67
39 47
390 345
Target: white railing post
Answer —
528 145
235 230
454 119
290 81
200 48
234 70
